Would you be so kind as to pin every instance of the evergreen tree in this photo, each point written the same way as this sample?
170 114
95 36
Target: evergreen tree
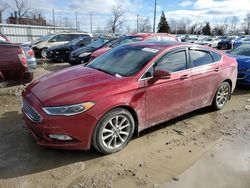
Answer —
207 29
163 26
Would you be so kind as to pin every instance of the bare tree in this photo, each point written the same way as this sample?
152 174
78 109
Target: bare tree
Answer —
222 25
3 8
115 23
20 7
247 22
232 24
180 26
144 24
35 13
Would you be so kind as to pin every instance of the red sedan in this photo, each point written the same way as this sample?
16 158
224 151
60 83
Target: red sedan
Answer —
126 90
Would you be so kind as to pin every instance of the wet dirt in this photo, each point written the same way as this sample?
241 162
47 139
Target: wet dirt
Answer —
157 156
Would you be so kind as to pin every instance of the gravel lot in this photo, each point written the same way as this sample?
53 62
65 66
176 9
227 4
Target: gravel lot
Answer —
168 155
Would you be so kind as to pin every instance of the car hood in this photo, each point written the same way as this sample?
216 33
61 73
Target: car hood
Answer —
243 62
79 51
71 86
100 52
60 47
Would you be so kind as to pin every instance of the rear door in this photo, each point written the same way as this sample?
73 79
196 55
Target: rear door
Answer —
169 98
206 76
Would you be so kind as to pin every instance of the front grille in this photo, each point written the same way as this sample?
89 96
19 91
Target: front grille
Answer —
31 113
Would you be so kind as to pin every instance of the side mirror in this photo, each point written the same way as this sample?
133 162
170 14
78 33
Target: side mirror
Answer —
161 74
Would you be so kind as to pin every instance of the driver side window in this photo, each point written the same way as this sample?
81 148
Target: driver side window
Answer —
173 62
58 38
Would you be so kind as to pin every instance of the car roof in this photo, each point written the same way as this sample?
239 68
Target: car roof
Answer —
160 45
152 34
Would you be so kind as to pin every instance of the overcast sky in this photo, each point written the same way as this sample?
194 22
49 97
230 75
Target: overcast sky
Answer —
207 10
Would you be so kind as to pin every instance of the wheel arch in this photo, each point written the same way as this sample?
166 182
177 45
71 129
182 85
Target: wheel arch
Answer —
231 84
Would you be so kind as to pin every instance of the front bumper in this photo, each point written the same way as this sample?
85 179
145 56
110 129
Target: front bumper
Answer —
79 127
79 60
53 56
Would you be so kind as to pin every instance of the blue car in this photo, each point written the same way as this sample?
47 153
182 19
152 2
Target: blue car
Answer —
242 55
240 41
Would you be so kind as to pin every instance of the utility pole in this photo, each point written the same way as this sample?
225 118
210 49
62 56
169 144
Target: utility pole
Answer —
76 20
54 23
91 29
137 23
154 17
60 21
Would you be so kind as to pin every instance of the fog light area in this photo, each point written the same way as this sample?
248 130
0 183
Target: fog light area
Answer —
60 137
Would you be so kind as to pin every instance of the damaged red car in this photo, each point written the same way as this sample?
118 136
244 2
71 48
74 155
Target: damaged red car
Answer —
124 91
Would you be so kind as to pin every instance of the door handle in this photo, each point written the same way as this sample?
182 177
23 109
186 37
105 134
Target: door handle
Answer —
217 69
184 77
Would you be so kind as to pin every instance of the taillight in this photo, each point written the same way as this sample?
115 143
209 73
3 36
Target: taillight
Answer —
31 53
23 58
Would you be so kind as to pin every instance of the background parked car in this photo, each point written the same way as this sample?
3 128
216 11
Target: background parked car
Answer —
242 55
240 41
30 55
204 41
61 53
13 65
226 43
54 40
82 55
135 38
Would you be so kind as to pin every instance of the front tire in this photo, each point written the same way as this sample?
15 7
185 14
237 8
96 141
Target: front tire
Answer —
43 53
222 96
114 131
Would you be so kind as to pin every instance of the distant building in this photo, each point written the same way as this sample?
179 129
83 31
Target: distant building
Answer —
26 21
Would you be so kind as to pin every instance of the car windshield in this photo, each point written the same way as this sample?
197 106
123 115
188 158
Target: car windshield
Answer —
75 41
126 40
241 50
44 38
124 60
97 43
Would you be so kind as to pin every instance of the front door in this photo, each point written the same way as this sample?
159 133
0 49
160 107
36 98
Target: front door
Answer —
168 98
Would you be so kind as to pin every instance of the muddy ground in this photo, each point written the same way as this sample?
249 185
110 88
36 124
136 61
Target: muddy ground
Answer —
164 156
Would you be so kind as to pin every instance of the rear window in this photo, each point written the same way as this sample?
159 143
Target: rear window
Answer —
216 56
200 58
126 40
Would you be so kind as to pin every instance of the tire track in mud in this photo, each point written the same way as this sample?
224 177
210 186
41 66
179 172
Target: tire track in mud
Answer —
183 136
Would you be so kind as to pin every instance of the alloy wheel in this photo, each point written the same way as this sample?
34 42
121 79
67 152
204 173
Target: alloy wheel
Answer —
116 132
222 95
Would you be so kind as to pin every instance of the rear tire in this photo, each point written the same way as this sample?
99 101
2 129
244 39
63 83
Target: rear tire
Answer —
222 95
114 131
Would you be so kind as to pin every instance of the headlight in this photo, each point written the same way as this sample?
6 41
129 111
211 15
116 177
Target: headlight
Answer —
84 54
248 70
68 110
